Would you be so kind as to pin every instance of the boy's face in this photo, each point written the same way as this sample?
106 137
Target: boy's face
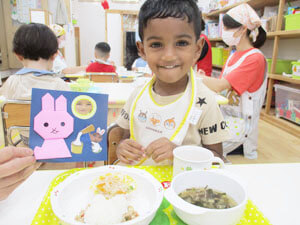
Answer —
170 48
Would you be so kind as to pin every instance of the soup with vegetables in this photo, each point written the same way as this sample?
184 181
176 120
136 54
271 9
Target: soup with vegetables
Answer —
207 198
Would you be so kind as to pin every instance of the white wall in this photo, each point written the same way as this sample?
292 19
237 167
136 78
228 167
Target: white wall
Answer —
288 49
91 22
114 37
70 52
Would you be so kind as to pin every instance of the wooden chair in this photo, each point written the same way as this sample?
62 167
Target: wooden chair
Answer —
103 77
114 136
15 116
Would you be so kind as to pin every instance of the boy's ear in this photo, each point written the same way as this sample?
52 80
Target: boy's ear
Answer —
141 50
199 44
54 56
19 57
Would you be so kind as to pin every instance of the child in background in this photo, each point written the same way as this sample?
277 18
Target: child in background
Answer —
174 108
60 65
102 53
204 63
35 45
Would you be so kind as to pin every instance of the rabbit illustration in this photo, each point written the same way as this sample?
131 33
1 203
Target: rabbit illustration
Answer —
96 138
53 124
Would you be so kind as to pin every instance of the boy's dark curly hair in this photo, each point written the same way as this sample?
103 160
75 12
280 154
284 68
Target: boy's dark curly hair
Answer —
158 9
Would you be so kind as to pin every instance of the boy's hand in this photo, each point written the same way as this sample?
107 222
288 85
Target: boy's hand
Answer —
160 149
16 165
129 151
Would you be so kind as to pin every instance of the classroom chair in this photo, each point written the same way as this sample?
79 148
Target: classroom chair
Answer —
16 120
103 77
114 136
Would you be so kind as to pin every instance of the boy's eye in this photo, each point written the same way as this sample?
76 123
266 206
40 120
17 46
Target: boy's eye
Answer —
155 45
182 43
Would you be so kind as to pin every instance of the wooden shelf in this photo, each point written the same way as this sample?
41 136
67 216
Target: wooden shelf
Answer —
256 4
284 34
217 66
285 125
283 78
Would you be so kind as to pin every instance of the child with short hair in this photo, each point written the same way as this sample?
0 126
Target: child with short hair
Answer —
35 45
101 64
174 108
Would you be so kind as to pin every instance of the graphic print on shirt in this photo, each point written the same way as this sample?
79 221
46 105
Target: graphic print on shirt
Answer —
170 124
142 117
201 101
155 119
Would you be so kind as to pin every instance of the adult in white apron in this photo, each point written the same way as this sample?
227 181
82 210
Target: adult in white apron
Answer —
242 118
242 29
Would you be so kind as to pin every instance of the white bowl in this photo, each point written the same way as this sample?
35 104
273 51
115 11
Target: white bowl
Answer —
71 196
195 215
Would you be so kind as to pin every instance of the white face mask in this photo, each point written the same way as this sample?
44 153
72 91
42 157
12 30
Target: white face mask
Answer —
228 38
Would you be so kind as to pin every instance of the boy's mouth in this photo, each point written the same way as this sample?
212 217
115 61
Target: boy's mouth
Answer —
169 67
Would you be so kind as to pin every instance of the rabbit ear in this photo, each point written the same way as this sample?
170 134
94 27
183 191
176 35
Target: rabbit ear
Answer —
102 132
98 130
61 104
47 102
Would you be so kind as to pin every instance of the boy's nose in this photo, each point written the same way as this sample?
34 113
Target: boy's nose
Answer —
169 54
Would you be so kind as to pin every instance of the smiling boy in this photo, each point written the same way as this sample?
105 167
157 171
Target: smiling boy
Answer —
174 108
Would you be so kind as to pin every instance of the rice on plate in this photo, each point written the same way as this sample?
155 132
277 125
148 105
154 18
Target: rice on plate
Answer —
107 195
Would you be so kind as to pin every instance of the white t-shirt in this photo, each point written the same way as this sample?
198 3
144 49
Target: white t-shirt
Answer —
18 87
210 128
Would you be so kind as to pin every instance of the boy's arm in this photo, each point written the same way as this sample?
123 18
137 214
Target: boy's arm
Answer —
72 70
217 149
217 85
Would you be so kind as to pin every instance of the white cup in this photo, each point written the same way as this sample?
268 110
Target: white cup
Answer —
190 157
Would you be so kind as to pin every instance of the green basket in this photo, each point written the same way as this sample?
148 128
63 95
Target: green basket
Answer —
292 22
281 66
217 56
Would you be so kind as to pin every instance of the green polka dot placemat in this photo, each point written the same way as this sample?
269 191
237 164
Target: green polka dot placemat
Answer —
165 214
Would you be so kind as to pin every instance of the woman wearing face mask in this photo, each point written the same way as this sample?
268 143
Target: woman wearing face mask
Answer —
59 64
243 79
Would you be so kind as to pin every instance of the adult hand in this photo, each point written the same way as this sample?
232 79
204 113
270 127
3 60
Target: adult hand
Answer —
16 165
160 149
129 151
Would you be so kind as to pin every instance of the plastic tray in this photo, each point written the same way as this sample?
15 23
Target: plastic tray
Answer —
165 214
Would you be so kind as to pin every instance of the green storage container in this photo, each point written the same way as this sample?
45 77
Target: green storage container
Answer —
292 22
296 70
217 56
281 66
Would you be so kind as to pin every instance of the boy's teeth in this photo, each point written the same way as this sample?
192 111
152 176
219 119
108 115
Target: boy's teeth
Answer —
169 67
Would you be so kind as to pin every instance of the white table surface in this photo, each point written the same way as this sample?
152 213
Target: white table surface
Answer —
274 188
120 92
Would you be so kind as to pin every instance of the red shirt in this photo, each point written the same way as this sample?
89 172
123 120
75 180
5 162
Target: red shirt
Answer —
206 63
100 68
249 75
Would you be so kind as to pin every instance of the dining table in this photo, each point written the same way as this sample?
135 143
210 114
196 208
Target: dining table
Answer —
273 188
